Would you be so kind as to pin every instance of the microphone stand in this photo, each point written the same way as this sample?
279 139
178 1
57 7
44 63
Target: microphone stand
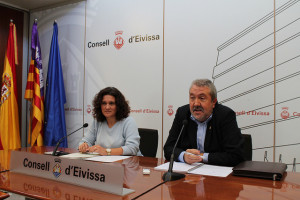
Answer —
60 153
170 175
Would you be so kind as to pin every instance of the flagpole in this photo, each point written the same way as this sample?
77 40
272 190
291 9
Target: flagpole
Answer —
30 121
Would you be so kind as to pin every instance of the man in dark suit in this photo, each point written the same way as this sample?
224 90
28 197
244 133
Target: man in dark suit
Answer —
211 135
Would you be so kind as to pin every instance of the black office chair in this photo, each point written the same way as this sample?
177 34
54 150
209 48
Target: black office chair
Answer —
148 142
247 146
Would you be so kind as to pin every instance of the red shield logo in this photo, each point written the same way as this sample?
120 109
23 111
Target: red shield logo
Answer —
170 110
119 41
285 114
89 109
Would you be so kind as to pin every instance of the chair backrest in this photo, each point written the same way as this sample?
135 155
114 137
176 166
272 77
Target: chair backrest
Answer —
247 146
148 142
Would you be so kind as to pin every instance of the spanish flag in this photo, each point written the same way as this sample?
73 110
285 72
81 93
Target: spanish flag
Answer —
35 91
9 115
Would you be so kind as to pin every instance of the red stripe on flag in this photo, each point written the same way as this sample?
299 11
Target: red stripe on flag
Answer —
29 85
37 101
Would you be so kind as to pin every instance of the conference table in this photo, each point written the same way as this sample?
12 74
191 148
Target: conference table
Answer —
190 187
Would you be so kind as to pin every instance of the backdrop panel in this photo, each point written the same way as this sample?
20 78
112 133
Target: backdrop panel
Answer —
287 79
124 49
207 39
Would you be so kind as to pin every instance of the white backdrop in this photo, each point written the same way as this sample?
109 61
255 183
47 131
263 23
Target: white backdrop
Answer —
191 51
230 42
135 67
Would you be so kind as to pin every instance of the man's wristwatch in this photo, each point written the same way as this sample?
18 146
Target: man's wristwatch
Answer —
108 151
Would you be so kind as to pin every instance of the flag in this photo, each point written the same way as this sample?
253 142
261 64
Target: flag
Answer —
1 147
5 165
55 98
4 160
35 91
9 114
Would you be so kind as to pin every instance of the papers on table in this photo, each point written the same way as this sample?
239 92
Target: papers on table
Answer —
108 158
197 168
79 155
94 157
213 170
177 167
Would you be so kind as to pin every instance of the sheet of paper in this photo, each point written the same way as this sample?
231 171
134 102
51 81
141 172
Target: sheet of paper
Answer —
177 167
197 168
79 155
108 158
212 170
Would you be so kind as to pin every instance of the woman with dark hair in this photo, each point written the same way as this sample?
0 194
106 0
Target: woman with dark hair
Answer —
113 131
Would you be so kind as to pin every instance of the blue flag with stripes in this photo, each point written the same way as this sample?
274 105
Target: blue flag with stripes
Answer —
55 124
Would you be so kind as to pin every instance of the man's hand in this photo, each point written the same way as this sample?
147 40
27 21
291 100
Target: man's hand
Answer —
192 156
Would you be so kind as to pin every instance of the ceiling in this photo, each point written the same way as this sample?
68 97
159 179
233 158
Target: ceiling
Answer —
30 5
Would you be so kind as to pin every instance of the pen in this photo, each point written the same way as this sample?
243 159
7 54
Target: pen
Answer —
193 154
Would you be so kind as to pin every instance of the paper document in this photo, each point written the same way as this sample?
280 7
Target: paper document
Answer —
212 170
178 167
108 158
79 155
197 168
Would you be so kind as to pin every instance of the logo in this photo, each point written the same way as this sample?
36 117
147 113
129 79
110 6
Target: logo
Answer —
56 192
7 80
57 169
284 113
119 41
89 109
170 110
5 89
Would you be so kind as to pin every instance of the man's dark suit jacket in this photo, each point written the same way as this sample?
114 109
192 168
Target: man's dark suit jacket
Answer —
223 140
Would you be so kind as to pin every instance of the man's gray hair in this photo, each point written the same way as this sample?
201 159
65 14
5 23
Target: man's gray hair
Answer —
206 83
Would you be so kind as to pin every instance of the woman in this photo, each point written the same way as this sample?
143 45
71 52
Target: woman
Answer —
113 131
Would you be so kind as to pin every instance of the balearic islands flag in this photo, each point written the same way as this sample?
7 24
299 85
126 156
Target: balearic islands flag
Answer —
55 98
35 91
9 114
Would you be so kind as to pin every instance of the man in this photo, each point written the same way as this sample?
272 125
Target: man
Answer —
211 135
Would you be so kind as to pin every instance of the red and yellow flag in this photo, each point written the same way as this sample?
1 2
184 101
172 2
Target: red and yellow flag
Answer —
35 91
9 114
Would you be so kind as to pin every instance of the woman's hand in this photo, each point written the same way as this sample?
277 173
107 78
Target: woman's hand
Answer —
83 147
98 149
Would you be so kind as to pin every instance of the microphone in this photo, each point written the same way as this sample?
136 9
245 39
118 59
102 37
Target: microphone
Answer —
170 175
59 153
